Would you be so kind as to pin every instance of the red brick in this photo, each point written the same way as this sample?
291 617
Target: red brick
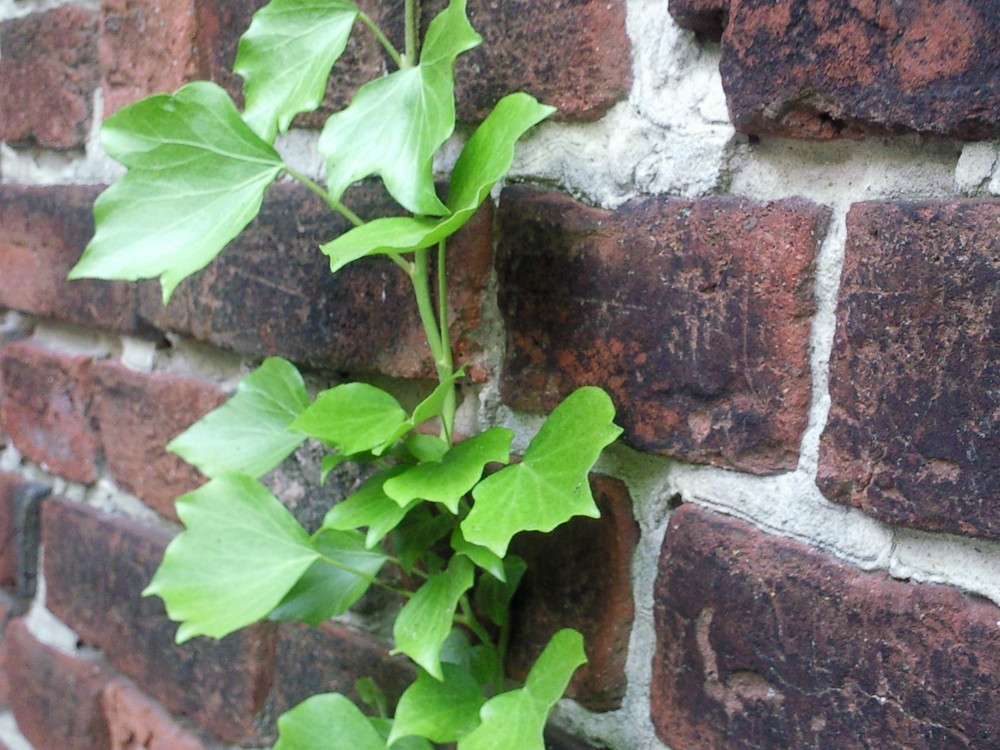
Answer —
579 576
137 415
48 75
10 607
20 529
43 231
44 409
829 68
57 703
911 437
137 722
693 314
96 567
765 643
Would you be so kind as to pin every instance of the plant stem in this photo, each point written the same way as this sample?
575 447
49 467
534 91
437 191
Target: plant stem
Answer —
468 619
383 39
411 12
318 189
374 580
448 408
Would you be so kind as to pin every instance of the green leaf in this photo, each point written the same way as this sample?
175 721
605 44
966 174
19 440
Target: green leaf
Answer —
429 408
417 534
485 159
329 587
285 58
481 556
369 507
517 718
494 593
328 721
396 123
447 480
197 176
372 695
426 447
384 727
249 433
425 620
354 417
241 553
440 710
550 485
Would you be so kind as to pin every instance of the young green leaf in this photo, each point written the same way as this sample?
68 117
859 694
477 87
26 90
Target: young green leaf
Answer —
396 123
426 619
481 556
517 718
447 480
550 485
429 408
494 593
417 534
328 721
440 710
330 585
354 417
484 160
369 507
285 58
249 433
197 176
241 553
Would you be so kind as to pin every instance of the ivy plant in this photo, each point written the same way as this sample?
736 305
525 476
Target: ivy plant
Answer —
197 171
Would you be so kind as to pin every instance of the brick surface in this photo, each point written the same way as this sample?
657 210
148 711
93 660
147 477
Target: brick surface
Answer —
43 231
96 567
579 576
137 722
48 74
764 643
830 68
694 315
271 292
20 530
137 415
44 409
10 607
913 435
57 703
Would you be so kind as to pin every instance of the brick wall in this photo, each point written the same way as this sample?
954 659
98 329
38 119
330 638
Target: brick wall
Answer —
771 230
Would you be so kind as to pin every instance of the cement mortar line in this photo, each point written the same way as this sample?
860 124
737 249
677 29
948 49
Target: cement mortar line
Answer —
18 9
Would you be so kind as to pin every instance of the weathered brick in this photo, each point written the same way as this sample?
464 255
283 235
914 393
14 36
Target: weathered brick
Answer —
765 643
44 409
48 74
830 68
693 314
137 722
96 566
43 231
331 659
137 415
579 576
912 436
57 703
20 530
271 292
10 607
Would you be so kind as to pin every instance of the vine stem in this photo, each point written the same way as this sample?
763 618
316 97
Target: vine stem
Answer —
382 38
337 206
374 580
411 11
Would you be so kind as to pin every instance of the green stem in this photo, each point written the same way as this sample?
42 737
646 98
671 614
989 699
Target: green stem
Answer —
448 407
468 619
374 580
383 39
318 189
411 12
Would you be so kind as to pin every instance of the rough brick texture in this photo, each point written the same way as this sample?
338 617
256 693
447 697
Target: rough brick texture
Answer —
832 68
20 529
912 436
138 414
48 74
695 315
137 722
763 643
578 577
96 567
44 409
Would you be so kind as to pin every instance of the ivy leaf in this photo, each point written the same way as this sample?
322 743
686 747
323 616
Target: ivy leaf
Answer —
430 407
550 485
241 553
328 721
417 534
484 160
249 433
327 589
494 593
517 718
197 176
481 556
440 710
447 480
425 620
354 417
384 727
369 507
285 58
396 123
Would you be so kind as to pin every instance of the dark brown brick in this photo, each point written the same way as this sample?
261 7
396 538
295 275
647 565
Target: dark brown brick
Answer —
136 721
765 643
96 567
138 414
579 576
271 292
912 436
808 69
57 703
43 231
48 75
44 409
20 529
694 315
